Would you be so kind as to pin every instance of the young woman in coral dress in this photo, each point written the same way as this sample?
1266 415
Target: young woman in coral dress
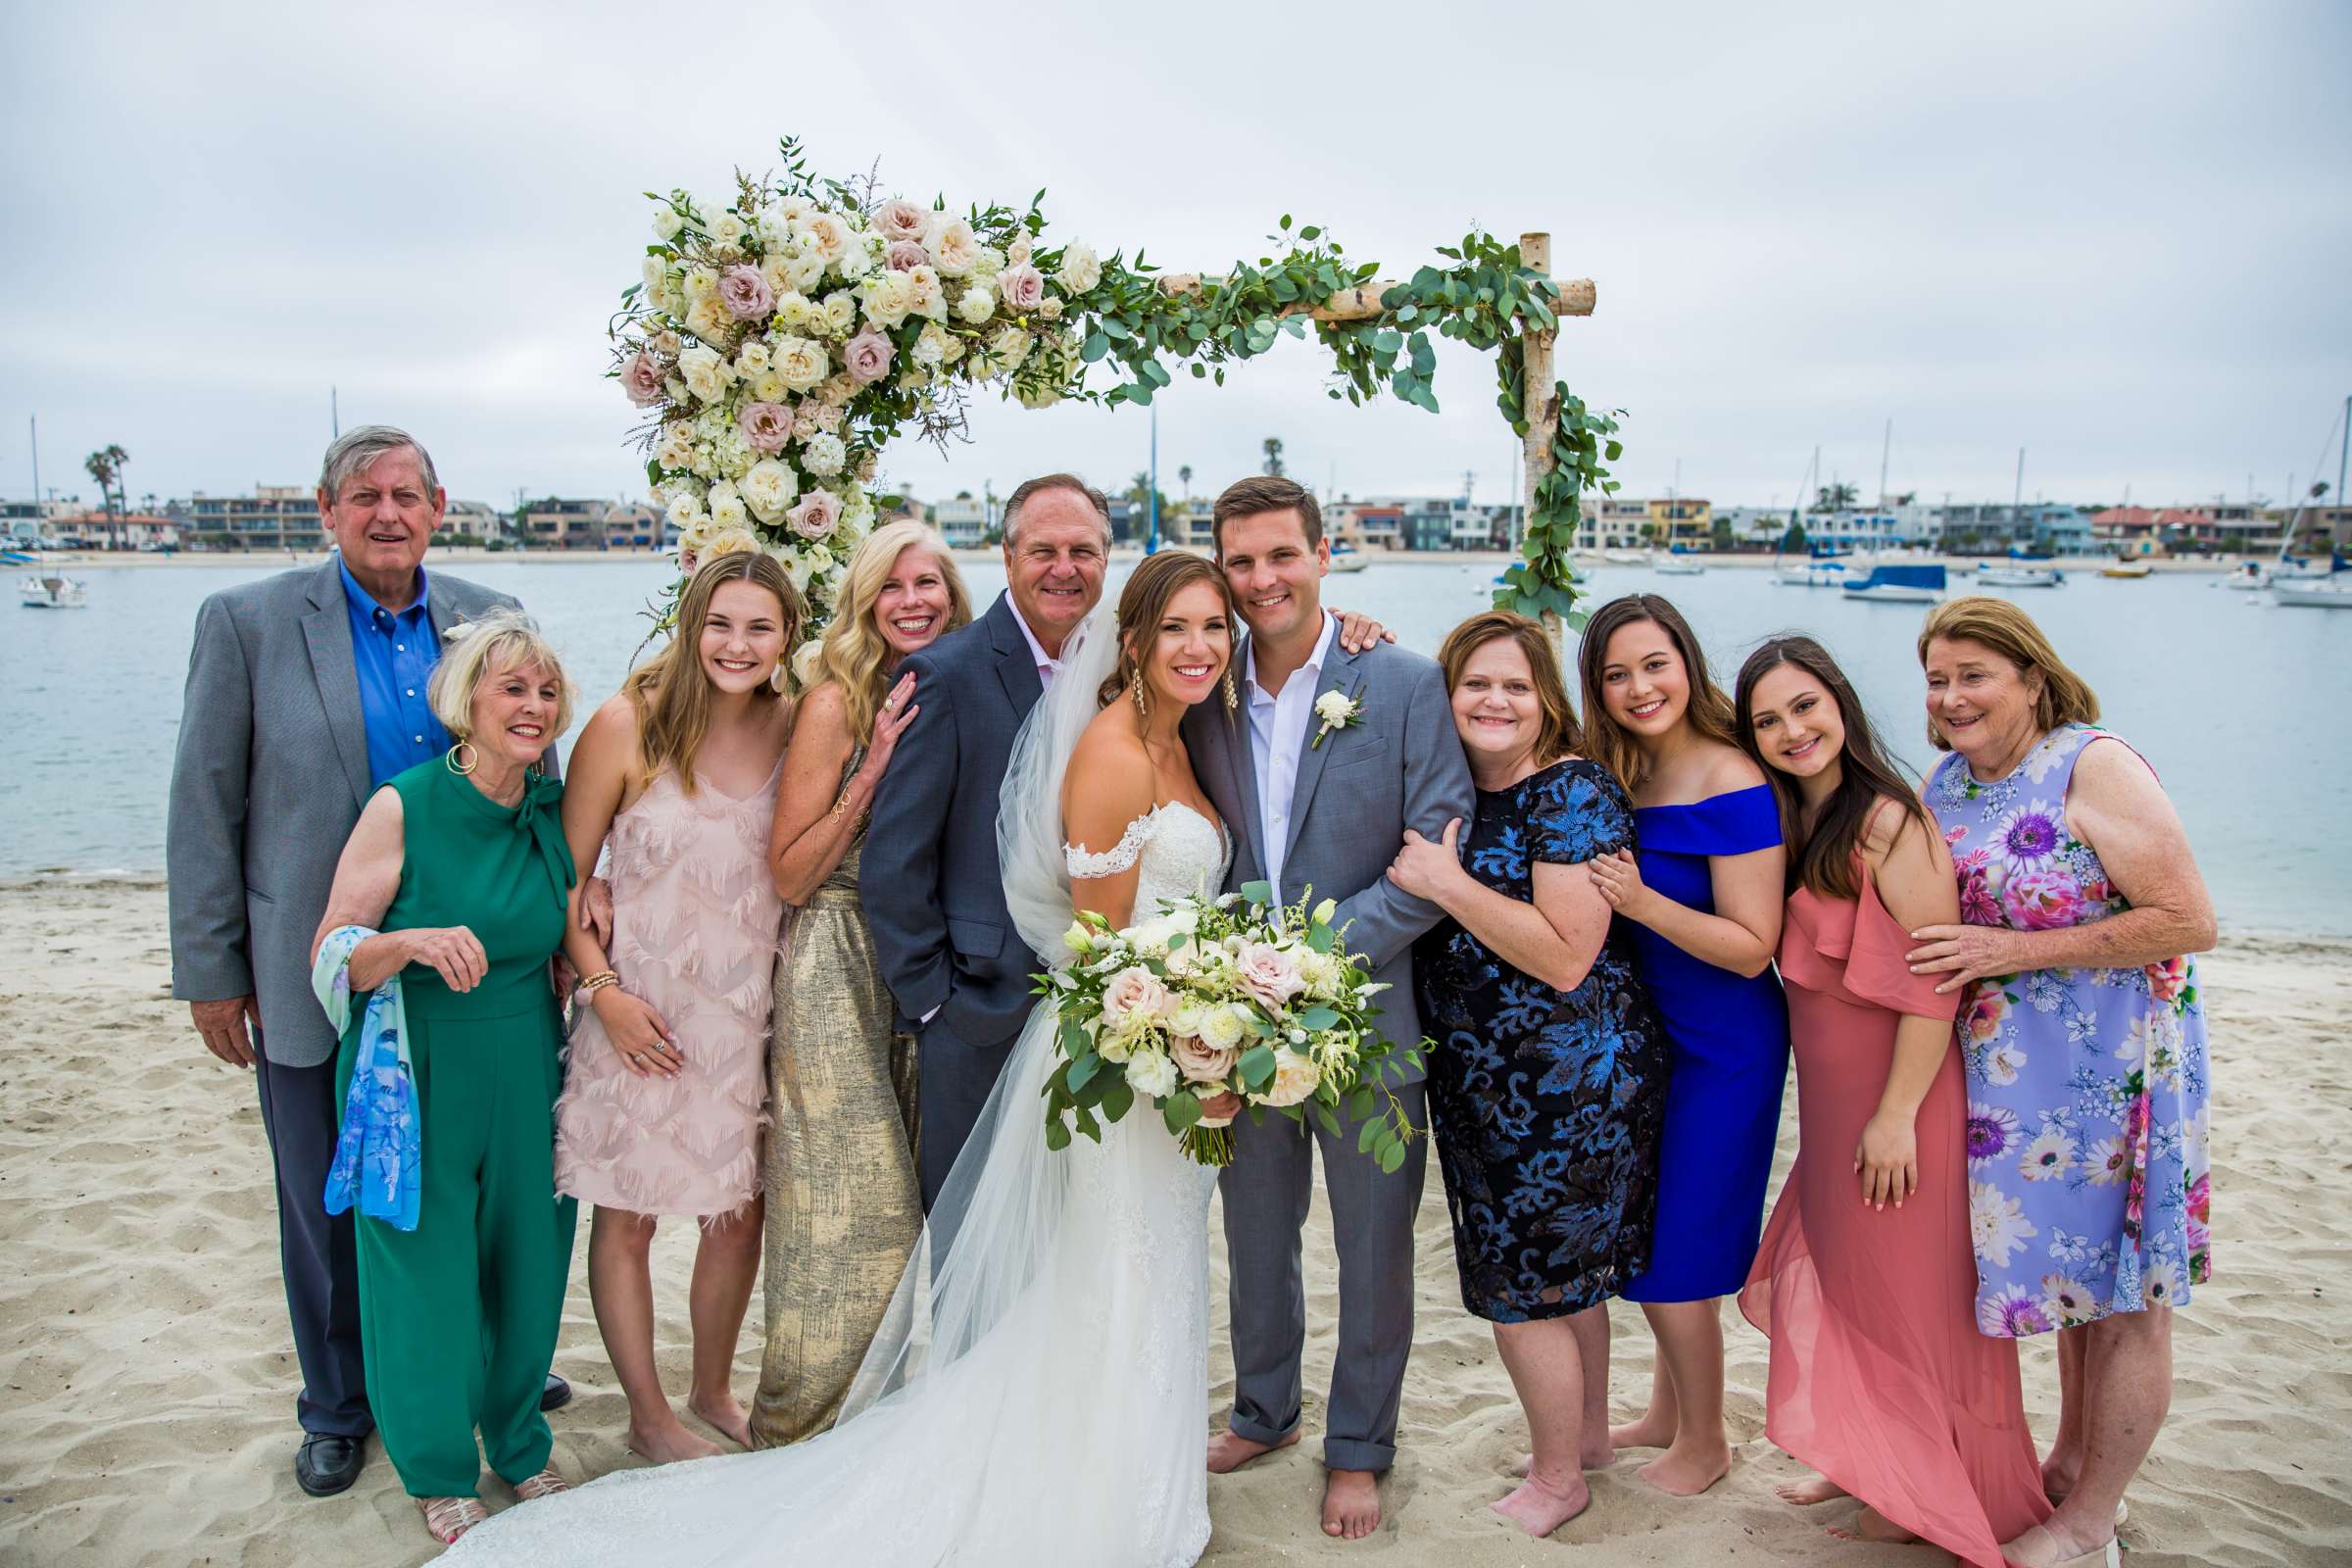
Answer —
1866 1280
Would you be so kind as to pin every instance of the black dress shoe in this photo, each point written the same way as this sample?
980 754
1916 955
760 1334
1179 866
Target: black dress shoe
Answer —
328 1463
557 1393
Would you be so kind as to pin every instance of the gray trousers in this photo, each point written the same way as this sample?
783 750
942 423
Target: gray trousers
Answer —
316 1251
953 1082
1266 1192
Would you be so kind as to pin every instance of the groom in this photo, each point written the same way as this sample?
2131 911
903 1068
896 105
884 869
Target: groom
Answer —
1324 807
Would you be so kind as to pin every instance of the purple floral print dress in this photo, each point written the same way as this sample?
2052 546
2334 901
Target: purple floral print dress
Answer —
2089 1189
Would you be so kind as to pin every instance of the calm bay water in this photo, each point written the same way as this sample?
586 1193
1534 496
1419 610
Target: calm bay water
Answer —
2244 709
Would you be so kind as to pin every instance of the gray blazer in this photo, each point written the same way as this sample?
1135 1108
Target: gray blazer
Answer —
929 881
1401 766
269 779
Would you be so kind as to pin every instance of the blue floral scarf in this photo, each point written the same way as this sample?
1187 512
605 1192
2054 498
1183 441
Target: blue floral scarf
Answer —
379 1156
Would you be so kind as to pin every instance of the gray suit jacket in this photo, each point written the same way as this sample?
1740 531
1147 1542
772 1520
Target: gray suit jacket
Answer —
270 777
1401 766
929 880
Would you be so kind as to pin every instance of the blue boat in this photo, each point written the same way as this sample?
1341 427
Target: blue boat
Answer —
1910 583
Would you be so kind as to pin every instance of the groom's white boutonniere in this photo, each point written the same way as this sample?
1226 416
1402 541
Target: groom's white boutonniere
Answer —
1338 710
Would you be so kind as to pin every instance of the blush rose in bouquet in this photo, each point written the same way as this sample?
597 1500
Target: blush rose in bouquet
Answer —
1211 995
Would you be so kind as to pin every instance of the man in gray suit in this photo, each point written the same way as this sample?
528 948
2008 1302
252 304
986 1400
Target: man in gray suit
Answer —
1326 807
934 894
306 691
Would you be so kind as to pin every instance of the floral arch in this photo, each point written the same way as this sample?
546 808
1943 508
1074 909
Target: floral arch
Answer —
780 340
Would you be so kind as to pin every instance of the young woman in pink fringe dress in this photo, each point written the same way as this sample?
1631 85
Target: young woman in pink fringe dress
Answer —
667 1084
1866 1278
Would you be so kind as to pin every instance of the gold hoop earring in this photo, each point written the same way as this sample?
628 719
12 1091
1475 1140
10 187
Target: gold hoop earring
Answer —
1134 689
461 766
1233 696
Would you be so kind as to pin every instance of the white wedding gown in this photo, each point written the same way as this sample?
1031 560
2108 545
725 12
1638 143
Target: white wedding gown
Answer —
1040 1393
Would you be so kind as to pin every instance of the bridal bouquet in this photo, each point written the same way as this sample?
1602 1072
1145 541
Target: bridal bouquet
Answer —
1210 996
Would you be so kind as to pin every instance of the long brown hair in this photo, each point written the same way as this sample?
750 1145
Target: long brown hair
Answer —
1822 858
1144 599
2066 698
1611 744
1559 733
671 696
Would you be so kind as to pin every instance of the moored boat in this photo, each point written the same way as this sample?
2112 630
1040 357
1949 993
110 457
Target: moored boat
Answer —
2311 595
2247 575
52 590
1907 583
1675 563
2128 569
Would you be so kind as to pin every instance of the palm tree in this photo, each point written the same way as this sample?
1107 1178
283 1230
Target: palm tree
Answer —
106 466
1273 447
1183 476
1836 497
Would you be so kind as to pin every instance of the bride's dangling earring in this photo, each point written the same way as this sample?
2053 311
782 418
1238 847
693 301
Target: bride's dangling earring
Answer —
1134 689
1233 696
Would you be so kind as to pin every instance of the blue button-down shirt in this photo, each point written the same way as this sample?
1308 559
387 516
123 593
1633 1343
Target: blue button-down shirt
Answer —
395 655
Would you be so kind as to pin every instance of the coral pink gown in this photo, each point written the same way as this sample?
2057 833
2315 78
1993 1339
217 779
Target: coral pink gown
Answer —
1880 1379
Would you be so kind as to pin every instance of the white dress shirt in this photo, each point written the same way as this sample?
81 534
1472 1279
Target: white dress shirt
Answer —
1277 740
1048 667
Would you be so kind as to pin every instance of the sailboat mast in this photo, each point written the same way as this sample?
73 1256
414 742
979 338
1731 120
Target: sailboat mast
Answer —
1885 450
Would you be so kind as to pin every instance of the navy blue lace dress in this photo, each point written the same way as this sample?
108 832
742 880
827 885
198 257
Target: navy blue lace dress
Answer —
1547 1106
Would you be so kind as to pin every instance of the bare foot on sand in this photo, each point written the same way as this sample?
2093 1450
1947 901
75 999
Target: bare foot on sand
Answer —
1540 1509
1648 1433
726 1415
1688 1468
1350 1504
665 1444
1808 1491
1229 1450
2044 1546
1872 1525
1600 1457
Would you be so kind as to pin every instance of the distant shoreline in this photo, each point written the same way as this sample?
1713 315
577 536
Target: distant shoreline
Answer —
473 556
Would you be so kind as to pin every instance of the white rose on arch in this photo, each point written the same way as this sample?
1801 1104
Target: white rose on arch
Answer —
768 488
1081 268
954 247
802 362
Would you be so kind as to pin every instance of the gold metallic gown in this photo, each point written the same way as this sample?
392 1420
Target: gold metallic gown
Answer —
844 1206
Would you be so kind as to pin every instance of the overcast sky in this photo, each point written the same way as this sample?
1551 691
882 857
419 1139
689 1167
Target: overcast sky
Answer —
2119 236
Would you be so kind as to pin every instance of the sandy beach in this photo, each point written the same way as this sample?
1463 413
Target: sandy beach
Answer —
147 1412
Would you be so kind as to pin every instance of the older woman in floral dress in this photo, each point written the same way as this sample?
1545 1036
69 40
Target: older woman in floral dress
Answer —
2083 1040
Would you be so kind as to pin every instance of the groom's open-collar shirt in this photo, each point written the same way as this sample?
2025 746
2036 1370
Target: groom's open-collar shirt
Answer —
1277 738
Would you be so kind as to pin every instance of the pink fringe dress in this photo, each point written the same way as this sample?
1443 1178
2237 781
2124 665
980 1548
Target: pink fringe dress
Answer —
1880 1379
697 924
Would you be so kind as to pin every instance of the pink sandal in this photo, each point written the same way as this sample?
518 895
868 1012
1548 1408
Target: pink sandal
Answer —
448 1518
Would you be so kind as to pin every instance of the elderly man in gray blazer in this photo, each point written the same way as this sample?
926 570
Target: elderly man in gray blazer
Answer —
1323 802
934 894
305 692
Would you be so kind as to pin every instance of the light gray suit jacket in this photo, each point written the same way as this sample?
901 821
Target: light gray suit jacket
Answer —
270 777
1357 792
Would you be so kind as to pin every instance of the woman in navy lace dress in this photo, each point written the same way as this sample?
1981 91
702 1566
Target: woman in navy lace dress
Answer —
1547 1087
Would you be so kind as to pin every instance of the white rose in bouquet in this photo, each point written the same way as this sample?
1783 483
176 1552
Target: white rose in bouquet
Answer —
826 234
1007 346
1017 253
888 299
1295 1078
840 313
675 449
976 304
727 513
954 248
1081 269
1268 973
929 294
775 270
803 268
667 223
770 387
700 281
686 515
1133 998
1112 1045
1150 1072
709 320
707 374
768 488
752 358
802 362
806 658
726 230
656 273
824 455
730 542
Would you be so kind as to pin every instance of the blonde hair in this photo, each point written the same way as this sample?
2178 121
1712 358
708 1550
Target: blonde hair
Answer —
855 655
2065 698
504 639
1560 734
669 692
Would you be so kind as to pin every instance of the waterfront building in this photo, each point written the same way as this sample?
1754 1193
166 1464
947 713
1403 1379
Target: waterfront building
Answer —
274 517
1987 527
1684 520
962 519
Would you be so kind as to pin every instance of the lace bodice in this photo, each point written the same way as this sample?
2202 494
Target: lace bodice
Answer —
1180 854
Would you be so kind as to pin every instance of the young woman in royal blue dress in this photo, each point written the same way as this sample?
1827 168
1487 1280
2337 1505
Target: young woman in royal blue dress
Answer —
1704 891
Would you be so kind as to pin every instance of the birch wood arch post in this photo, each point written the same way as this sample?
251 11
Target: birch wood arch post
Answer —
782 335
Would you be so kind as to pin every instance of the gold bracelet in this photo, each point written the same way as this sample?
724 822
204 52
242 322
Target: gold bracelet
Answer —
589 983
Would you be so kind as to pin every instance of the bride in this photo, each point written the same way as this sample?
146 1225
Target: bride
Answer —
1038 1393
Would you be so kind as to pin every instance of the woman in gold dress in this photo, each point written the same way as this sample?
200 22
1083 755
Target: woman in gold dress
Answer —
844 1207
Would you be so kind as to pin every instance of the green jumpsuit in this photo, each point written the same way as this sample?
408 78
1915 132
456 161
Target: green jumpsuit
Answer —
458 1317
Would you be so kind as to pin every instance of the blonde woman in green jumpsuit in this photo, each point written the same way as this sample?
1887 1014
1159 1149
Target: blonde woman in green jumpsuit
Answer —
460 866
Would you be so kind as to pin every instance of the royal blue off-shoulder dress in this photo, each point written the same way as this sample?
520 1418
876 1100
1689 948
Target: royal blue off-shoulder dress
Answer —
1729 1040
